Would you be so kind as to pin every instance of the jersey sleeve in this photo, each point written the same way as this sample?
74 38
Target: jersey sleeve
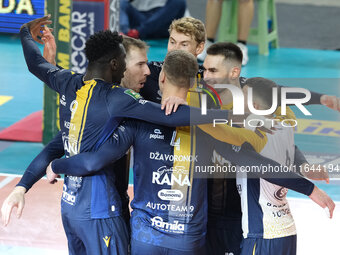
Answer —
315 96
53 76
90 162
129 104
235 136
244 158
37 169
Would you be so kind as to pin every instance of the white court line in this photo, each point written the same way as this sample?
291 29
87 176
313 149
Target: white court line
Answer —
7 180
20 175
14 175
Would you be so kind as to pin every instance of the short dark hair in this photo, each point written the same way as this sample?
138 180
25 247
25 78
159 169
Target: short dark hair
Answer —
263 89
129 42
180 66
229 51
103 45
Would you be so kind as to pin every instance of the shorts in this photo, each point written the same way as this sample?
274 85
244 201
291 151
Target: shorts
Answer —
277 246
225 239
97 236
141 248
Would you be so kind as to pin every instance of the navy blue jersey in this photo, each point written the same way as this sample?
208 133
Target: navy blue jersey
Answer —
170 178
85 107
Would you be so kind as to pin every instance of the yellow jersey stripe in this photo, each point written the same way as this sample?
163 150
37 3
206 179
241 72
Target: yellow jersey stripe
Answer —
79 109
254 250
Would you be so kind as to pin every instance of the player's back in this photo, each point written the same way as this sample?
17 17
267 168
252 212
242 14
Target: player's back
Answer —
83 115
265 209
169 206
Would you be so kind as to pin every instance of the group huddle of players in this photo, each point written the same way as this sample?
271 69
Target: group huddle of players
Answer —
123 102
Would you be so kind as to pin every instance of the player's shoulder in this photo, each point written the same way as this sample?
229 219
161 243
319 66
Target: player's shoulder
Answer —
65 76
126 93
122 99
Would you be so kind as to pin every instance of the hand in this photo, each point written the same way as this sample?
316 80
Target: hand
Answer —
171 104
315 172
15 199
50 175
321 198
331 102
50 47
36 26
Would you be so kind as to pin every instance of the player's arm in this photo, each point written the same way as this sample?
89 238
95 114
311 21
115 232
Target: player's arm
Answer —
90 162
37 65
235 136
130 104
34 172
314 172
289 179
331 102
251 160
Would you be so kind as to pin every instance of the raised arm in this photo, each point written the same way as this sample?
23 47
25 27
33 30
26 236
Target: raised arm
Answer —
37 65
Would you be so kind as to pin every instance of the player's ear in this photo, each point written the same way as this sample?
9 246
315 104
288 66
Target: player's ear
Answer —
162 76
200 48
114 64
235 73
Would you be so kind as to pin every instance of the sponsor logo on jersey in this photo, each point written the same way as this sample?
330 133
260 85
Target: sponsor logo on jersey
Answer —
142 101
218 159
176 169
236 148
280 193
170 207
68 198
157 134
174 227
162 156
69 125
170 194
166 176
63 100
107 239
121 128
132 94
115 136
70 144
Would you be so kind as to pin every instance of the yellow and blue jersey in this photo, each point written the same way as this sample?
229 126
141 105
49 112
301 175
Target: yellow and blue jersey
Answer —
170 178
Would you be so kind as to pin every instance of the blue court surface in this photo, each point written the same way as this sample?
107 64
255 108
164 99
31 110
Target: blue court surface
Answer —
318 70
